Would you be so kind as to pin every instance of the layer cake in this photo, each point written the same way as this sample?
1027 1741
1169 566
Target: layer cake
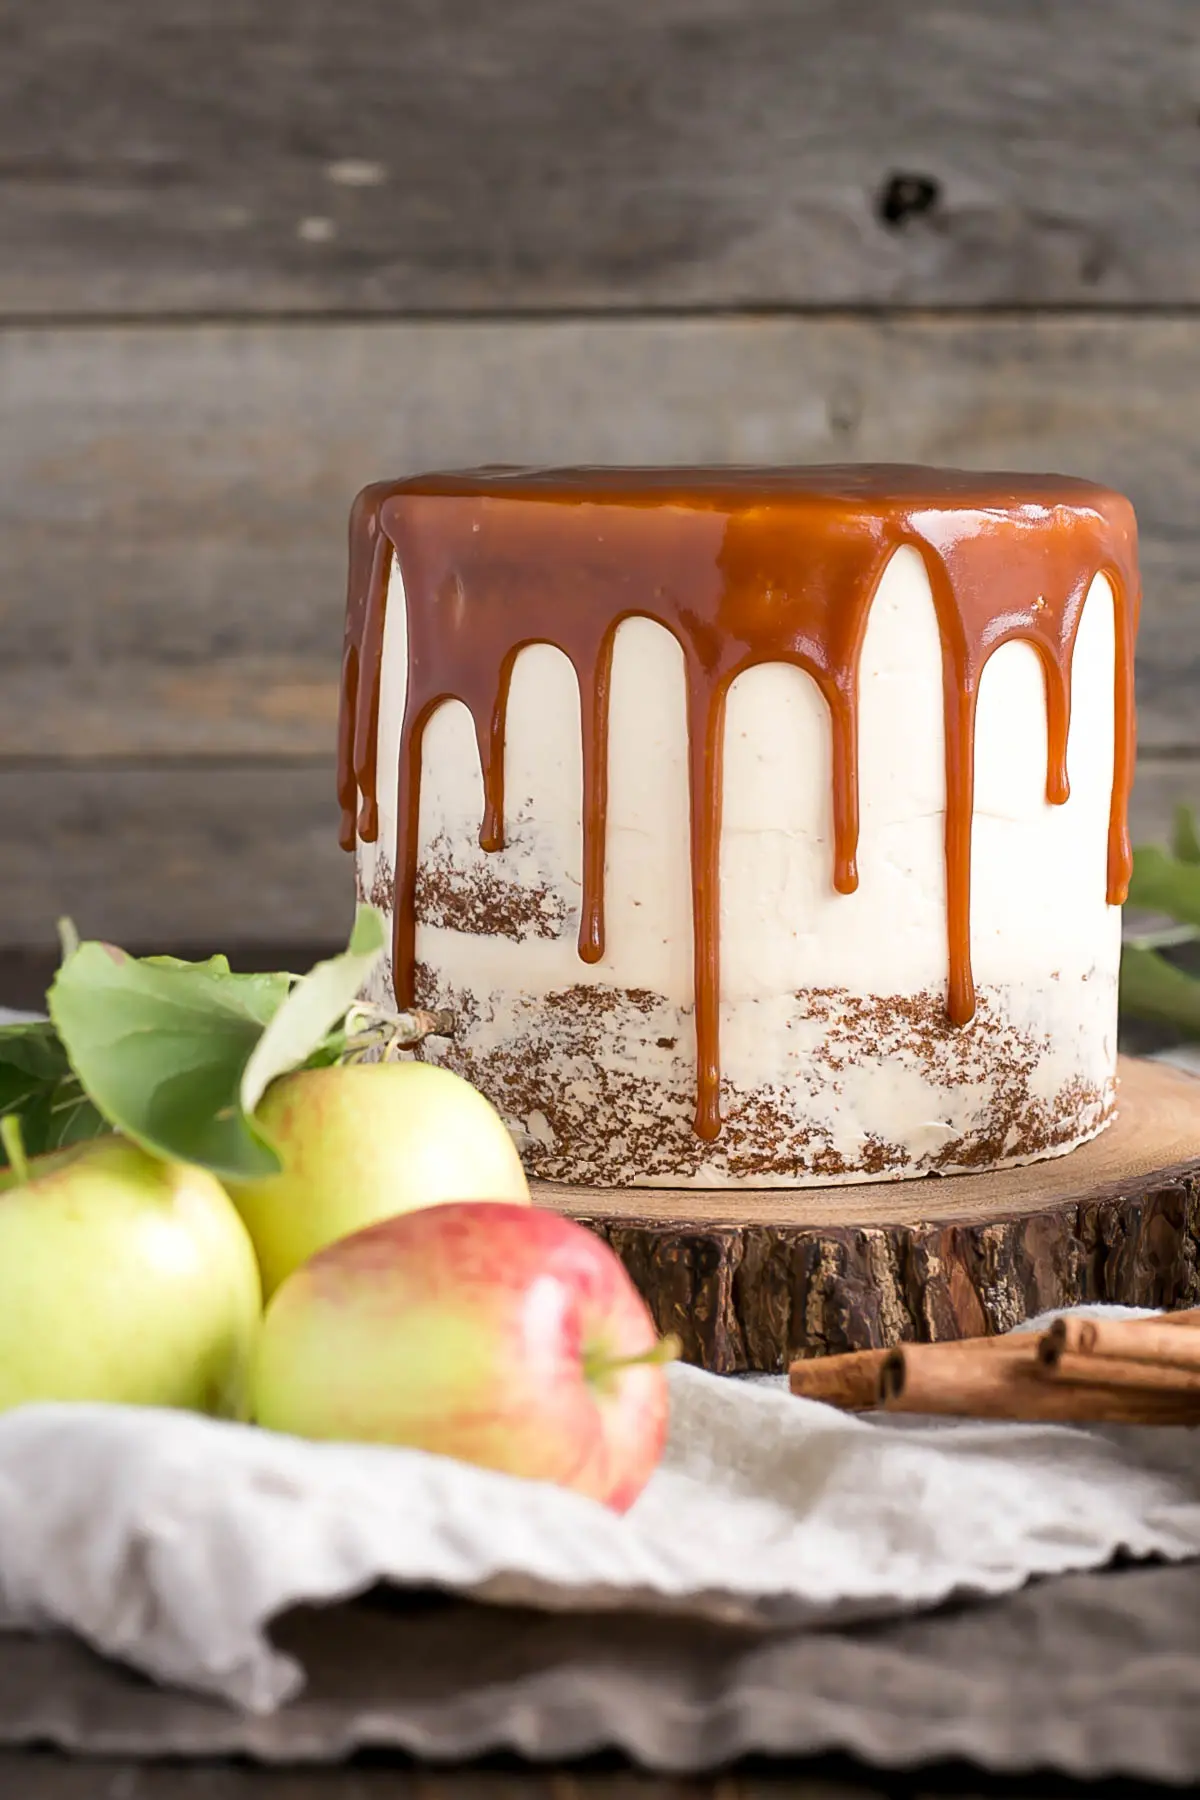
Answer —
760 827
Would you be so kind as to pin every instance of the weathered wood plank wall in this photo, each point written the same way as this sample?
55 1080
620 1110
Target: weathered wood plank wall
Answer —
252 256
625 153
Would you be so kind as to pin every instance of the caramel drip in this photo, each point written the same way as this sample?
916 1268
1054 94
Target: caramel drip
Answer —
742 567
362 668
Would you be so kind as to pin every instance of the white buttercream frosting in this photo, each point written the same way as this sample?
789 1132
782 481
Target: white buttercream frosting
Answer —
835 1060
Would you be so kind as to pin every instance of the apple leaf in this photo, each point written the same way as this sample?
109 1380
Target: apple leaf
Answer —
160 1047
32 1046
1185 839
315 1005
1164 883
175 1055
39 1087
1153 988
261 994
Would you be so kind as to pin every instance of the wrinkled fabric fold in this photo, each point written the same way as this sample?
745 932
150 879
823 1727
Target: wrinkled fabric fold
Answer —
171 1542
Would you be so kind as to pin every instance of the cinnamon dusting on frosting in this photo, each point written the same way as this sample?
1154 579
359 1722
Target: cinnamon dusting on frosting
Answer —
481 901
569 1074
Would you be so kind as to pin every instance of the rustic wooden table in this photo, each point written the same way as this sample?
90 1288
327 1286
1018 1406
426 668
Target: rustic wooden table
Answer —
47 1777
256 256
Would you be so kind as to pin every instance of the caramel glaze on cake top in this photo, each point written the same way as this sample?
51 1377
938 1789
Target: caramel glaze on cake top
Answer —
741 566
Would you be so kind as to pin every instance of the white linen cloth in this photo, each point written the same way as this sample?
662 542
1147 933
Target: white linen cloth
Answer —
171 1541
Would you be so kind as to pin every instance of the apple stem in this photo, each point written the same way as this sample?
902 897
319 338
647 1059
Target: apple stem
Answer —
14 1145
666 1350
369 1027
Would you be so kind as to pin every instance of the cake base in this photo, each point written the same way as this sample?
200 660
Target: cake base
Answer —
751 1280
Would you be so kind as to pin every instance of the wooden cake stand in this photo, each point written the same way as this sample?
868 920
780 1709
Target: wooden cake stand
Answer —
751 1280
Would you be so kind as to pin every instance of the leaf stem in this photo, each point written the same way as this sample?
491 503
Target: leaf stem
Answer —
12 1137
1169 938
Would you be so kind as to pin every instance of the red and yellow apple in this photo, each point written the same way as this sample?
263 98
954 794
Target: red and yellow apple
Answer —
365 1141
502 1335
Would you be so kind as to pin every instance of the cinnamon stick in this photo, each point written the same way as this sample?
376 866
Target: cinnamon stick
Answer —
1022 1376
1117 1372
1129 1340
1016 1386
851 1380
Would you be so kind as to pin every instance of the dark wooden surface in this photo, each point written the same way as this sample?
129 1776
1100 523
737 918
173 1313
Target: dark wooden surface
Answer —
52 1777
431 154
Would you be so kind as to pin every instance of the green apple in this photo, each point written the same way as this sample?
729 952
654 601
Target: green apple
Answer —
362 1142
124 1278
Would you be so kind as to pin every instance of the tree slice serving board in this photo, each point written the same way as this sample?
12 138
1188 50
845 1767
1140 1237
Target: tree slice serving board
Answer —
749 1280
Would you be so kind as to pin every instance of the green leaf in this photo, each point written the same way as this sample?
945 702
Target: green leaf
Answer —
72 1117
56 1117
1153 988
261 994
176 1055
317 1003
33 1048
160 1047
39 1087
1162 883
1185 839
